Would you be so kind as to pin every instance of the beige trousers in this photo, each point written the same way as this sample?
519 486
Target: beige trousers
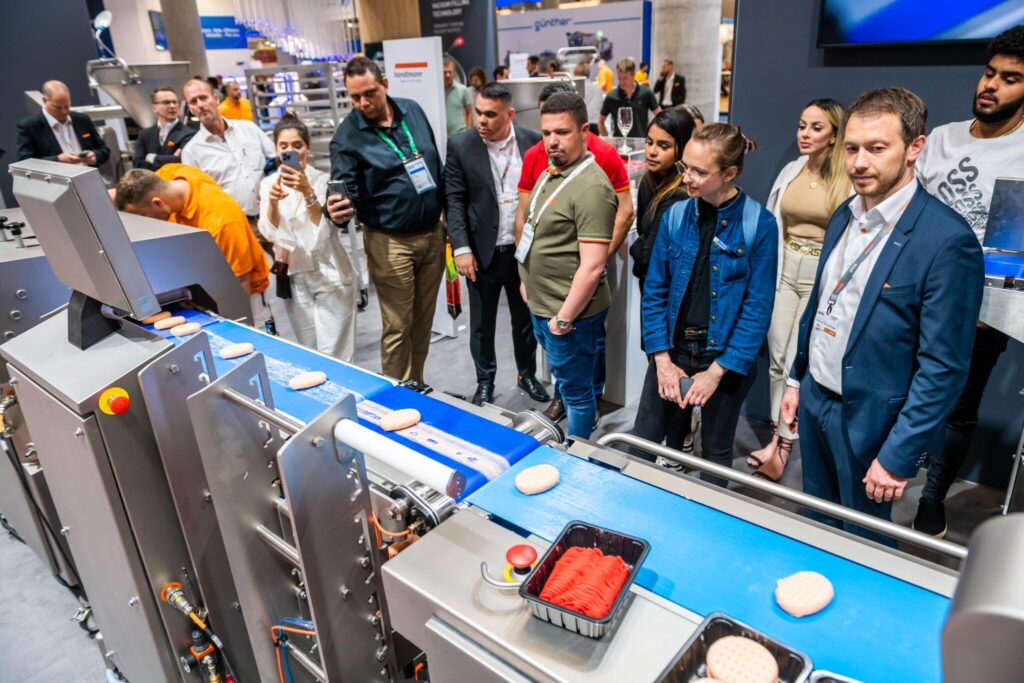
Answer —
406 271
791 297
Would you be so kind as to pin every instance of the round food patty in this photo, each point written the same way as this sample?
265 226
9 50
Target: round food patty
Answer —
735 659
804 593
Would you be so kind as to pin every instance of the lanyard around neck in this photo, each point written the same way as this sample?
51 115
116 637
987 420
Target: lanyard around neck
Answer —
535 218
845 278
390 143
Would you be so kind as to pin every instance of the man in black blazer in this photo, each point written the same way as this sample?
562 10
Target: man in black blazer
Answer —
161 144
676 86
59 134
481 179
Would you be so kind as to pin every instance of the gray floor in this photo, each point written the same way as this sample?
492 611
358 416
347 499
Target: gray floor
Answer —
35 611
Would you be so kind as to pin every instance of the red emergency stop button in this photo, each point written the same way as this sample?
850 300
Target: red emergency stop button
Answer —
114 401
120 404
521 557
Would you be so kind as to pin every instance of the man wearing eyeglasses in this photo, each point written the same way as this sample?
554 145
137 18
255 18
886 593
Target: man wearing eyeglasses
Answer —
161 144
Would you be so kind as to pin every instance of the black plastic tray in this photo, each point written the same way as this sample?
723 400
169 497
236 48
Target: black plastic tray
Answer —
829 677
632 550
794 666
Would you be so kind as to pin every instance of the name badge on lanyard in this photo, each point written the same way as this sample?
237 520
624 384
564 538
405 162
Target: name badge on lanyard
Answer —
415 166
419 174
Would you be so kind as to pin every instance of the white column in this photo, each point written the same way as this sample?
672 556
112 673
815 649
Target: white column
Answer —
686 31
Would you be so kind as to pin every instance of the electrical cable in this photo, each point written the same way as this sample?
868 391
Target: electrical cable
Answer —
288 625
385 532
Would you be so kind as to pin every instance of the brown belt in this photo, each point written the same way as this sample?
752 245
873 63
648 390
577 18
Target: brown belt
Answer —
802 249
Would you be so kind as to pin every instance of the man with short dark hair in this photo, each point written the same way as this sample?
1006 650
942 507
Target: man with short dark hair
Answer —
481 173
562 250
532 65
59 134
385 153
458 104
629 94
535 164
884 347
670 88
959 165
162 143
501 73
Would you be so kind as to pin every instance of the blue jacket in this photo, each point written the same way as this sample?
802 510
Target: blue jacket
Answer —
742 282
910 346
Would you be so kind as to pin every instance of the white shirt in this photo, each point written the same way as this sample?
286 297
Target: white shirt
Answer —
827 345
666 94
315 252
65 134
593 97
235 161
506 167
961 170
165 130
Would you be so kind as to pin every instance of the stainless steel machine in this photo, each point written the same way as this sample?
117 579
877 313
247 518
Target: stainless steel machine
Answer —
226 525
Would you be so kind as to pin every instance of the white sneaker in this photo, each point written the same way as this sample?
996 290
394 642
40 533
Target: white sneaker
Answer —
669 464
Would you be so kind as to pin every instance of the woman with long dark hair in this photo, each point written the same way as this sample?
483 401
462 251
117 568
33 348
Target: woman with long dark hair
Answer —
307 247
661 186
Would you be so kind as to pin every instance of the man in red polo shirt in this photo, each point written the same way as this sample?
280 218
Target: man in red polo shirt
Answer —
535 162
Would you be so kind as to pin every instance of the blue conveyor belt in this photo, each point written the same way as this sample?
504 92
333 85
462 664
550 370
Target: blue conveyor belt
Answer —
878 628
461 430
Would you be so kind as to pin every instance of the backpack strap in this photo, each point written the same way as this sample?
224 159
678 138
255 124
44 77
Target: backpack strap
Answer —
751 217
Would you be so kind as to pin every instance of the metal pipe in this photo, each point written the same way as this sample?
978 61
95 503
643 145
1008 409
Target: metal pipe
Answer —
845 514
308 664
283 547
282 506
282 422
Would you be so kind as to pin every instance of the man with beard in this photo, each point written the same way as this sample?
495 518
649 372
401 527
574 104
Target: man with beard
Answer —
960 165
885 342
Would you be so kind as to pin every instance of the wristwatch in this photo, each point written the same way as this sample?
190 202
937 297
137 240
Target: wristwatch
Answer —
563 325
311 200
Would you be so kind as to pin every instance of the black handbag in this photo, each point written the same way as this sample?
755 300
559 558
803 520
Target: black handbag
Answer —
284 281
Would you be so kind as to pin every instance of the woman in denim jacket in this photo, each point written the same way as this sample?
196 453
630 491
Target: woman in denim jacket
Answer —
708 298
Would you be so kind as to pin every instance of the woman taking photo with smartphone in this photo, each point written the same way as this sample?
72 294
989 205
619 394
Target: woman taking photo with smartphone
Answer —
707 299
307 249
805 194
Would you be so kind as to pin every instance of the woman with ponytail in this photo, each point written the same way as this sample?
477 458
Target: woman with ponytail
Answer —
803 198
707 299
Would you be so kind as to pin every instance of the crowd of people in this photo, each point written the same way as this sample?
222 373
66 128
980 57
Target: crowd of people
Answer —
861 272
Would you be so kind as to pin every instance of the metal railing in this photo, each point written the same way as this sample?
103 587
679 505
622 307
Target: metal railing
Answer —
845 514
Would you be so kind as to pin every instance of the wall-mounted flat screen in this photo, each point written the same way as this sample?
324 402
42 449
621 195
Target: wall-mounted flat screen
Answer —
878 22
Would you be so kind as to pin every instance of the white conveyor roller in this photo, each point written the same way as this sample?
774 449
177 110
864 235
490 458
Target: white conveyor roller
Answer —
439 477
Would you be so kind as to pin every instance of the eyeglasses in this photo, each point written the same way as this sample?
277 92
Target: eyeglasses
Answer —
699 176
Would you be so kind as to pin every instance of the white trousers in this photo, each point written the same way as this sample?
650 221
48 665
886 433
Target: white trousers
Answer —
323 316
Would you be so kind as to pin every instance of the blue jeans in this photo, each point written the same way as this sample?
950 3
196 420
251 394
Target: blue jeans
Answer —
572 357
599 368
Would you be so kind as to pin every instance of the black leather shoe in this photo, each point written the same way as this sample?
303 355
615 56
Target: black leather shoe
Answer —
533 388
484 393
555 410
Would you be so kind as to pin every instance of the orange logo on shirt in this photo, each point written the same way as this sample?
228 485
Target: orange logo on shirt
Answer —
170 143
86 135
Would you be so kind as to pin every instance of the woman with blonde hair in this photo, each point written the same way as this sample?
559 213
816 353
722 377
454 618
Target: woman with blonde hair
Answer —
803 198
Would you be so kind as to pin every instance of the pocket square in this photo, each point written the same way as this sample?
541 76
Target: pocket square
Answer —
886 286
86 135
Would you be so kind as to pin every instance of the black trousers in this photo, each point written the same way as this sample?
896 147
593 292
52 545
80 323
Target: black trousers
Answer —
658 420
501 274
989 344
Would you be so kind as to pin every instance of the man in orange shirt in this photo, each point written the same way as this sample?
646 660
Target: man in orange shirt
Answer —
234 105
187 196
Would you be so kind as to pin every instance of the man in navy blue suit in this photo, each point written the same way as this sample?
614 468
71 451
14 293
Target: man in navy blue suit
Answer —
885 344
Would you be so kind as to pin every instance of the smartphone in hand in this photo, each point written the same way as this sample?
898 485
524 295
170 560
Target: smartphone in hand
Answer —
290 158
684 386
337 187
82 155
